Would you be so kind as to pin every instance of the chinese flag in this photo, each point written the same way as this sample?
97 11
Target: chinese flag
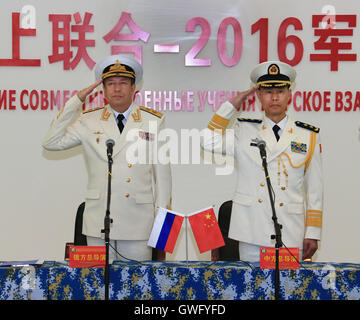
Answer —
206 230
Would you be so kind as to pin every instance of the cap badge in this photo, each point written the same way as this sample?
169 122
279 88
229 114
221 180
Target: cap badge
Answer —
118 67
273 69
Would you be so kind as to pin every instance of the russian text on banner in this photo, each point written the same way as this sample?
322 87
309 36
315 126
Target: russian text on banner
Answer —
166 230
206 230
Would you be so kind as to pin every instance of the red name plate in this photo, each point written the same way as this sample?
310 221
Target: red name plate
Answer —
87 256
286 260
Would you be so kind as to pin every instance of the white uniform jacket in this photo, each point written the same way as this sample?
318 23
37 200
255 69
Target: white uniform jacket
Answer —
295 170
136 189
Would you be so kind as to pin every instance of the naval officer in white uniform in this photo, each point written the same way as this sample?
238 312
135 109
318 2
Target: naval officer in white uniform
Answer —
137 188
294 163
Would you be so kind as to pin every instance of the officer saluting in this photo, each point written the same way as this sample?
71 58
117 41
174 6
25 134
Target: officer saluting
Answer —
294 163
136 188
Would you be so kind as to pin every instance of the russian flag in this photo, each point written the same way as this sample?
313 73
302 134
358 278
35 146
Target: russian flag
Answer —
166 230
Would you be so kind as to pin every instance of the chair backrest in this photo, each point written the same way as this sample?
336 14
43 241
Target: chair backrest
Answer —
79 238
229 252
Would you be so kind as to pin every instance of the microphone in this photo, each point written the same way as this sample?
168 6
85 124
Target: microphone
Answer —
261 144
110 144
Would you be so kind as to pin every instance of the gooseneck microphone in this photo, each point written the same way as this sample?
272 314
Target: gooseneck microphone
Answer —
110 144
261 144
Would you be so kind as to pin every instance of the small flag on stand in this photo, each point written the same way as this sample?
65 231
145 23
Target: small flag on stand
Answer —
166 230
206 230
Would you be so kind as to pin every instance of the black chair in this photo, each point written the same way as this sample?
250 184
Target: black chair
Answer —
229 252
79 238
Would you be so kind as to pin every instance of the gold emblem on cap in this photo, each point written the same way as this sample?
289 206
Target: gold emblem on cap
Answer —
117 67
273 69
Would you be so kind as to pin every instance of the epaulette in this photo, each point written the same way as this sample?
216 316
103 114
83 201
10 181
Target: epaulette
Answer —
249 120
94 109
155 113
307 126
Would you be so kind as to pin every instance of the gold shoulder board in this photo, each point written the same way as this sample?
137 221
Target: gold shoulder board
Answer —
249 120
94 109
155 113
307 126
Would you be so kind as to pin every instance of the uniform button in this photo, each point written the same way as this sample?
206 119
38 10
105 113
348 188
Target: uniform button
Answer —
283 188
262 184
129 165
128 180
281 204
127 195
260 201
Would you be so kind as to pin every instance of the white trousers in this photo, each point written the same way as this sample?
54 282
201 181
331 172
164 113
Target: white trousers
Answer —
124 249
251 252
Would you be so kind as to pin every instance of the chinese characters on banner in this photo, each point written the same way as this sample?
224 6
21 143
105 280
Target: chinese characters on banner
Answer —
62 43
87 256
329 40
333 41
17 33
73 43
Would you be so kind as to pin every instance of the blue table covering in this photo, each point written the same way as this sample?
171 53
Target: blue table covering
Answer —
197 280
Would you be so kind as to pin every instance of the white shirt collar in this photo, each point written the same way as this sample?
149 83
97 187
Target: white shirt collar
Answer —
281 124
125 114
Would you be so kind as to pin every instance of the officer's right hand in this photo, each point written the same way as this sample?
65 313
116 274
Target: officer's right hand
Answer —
240 97
82 94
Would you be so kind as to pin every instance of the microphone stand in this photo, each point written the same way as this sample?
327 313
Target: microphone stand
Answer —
277 226
277 236
106 230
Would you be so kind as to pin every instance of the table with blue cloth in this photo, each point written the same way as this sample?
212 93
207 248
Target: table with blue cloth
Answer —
200 280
